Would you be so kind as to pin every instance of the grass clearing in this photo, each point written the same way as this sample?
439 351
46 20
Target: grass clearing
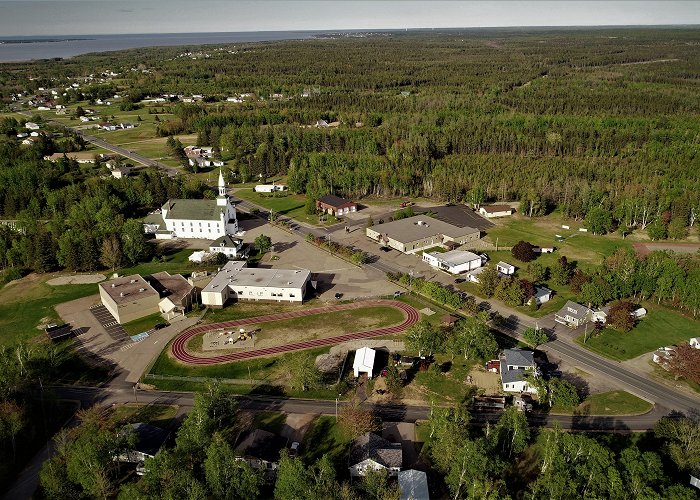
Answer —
661 327
447 385
271 421
325 436
142 324
158 415
613 403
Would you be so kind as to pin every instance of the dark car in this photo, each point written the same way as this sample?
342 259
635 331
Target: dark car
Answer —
460 280
338 295
385 249
160 326
397 294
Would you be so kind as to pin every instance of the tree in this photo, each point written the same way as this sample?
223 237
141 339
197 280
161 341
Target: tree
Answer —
135 248
424 338
393 380
578 279
682 441
538 272
523 251
641 472
511 434
656 230
686 363
227 477
111 256
510 292
488 281
596 293
599 220
293 479
678 229
562 394
376 486
562 271
535 337
356 420
303 372
474 339
262 243
11 422
79 111
620 316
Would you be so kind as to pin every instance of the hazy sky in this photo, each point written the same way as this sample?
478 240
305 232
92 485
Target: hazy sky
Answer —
79 17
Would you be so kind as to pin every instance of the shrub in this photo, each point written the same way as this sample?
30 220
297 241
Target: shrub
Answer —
620 316
523 251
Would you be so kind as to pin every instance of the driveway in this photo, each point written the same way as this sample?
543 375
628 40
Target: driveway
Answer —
404 433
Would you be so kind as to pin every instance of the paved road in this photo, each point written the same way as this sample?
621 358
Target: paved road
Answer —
179 347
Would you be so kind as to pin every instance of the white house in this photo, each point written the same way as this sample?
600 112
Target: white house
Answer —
573 315
505 268
515 365
491 211
364 362
236 281
228 246
269 188
373 452
542 295
184 218
454 261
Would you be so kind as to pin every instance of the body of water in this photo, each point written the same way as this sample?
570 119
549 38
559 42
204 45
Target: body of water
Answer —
31 48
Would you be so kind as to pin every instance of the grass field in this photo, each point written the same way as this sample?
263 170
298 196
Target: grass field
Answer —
613 403
143 324
661 327
325 436
445 387
287 204
158 415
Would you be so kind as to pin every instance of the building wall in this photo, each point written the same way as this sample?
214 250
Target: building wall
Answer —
132 310
360 470
238 292
518 386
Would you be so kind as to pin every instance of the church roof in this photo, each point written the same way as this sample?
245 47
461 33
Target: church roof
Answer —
193 210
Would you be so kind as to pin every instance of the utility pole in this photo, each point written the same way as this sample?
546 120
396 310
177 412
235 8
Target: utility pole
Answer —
336 409
136 395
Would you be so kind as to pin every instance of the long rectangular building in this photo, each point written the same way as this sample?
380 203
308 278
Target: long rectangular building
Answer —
419 232
236 281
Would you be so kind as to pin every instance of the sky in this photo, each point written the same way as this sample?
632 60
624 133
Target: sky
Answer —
87 17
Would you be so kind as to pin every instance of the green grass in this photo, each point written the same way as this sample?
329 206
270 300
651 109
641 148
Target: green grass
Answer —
667 375
26 304
659 328
142 324
325 436
271 421
613 403
288 204
449 387
158 415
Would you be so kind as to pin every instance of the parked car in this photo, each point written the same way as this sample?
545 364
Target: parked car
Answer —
160 326
294 449
338 295
397 294
460 280
385 249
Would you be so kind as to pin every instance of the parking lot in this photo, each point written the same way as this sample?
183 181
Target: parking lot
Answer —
109 323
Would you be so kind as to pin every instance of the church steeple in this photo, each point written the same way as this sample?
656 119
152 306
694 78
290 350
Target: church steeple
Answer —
222 199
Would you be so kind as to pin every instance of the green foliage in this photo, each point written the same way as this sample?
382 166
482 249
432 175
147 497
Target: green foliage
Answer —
473 339
262 243
620 316
424 338
489 280
562 394
657 230
599 220
562 271
304 374
227 477
677 229
535 337
682 441
509 291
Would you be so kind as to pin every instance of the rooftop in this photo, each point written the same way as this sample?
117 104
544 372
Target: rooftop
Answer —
456 257
186 209
226 241
128 289
334 201
420 227
364 357
413 484
149 438
574 310
175 287
374 447
496 208
519 357
235 273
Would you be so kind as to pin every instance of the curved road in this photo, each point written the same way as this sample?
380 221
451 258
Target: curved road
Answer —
179 350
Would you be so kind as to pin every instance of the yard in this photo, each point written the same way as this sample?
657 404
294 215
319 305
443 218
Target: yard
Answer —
158 415
613 403
325 436
143 324
284 203
661 327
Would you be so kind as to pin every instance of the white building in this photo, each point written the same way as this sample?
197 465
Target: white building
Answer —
364 362
694 342
238 282
454 261
269 188
32 126
207 219
228 246
515 365
505 268
491 211
542 295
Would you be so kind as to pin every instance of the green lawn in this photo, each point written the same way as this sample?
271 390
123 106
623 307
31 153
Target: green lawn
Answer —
661 327
288 204
271 421
142 324
447 387
325 436
613 403
158 415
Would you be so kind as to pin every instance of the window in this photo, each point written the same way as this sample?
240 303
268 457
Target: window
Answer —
240 292
291 295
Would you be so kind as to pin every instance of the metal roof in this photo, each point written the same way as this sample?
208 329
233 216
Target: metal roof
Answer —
420 227
184 209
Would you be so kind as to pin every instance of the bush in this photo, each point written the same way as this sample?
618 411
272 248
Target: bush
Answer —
524 251
620 316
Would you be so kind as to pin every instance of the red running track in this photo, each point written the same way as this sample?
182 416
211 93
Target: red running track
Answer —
411 316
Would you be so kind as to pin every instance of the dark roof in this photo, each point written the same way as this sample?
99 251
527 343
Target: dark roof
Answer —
262 445
574 310
334 201
225 241
149 438
169 285
58 332
515 357
496 208
372 446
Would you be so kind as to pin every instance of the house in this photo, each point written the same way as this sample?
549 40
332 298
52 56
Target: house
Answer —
149 439
261 450
108 126
185 218
364 362
177 295
454 261
84 119
473 276
269 188
413 485
32 126
542 295
413 234
22 135
129 298
321 124
515 365
79 156
371 451
694 342
663 355
542 250
236 281
335 205
505 268
126 125
573 315
448 320
228 246
199 161
120 172
492 211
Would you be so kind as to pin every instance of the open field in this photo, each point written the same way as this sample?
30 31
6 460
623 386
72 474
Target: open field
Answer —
661 327
143 324
158 415
287 204
318 326
613 403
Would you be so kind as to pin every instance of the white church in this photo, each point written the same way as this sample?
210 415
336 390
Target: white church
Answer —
206 219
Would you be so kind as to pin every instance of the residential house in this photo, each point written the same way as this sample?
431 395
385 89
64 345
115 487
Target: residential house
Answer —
505 268
84 119
335 205
108 126
573 315
542 295
413 485
261 449
126 125
516 365
120 172
79 156
492 211
228 246
364 362
149 440
413 234
373 452
663 355
236 281
454 261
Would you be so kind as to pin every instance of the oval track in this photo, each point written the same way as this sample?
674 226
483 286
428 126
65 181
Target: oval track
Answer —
179 350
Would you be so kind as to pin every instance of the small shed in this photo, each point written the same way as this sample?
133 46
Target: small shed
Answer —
505 268
364 361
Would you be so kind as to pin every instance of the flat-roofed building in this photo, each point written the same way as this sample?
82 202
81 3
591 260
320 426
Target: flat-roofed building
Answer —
419 232
454 261
236 281
129 298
